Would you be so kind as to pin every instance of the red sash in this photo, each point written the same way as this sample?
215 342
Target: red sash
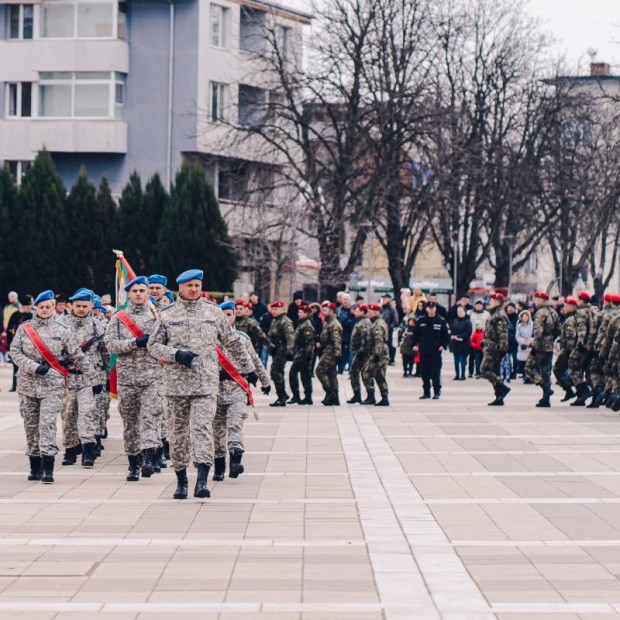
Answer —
227 365
132 327
48 356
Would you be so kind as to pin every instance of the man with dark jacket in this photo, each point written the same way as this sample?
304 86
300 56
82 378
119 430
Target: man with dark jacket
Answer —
345 317
431 337
293 308
15 320
258 307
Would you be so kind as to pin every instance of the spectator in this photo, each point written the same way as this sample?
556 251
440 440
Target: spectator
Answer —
293 308
17 318
9 309
345 316
524 336
462 301
4 348
406 347
416 298
513 317
420 310
461 331
265 325
390 316
441 310
480 314
317 322
258 307
476 344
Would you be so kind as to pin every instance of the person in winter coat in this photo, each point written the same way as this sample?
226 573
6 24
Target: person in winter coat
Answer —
476 346
459 342
406 348
524 335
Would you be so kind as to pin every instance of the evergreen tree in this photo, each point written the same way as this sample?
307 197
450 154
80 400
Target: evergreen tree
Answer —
156 199
104 223
193 233
40 228
129 227
8 245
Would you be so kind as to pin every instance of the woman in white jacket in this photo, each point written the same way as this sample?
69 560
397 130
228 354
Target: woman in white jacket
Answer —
524 335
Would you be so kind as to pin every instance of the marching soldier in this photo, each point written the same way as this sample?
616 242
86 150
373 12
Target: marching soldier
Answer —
604 349
158 287
568 340
360 350
378 357
246 323
578 360
612 365
597 330
281 336
139 379
232 407
495 347
331 349
303 352
538 365
185 338
41 349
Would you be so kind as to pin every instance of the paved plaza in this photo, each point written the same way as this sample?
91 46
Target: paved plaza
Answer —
428 509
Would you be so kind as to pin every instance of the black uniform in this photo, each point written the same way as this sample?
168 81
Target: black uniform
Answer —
429 334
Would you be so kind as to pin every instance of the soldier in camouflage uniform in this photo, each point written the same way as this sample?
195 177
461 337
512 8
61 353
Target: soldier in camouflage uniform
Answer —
139 380
546 329
495 347
281 336
232 407
378 358
41 387
578 362
331 349
612 363
184 338
568 340
360 350
102 400
246 323
80 418
158 287
595 337
604 347
303 353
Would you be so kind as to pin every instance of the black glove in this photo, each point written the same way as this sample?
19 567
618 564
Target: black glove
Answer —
64 362
141 341
185 357
224 376
523 347
97 389
376 358
42 369
581 347
252 378
266 390
289 357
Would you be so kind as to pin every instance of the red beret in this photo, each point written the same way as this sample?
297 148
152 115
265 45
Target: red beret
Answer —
584 295
239 302
498 296
608 297
328 304
570 300
615 299
541 295
362 307
277 304
375 307
305 308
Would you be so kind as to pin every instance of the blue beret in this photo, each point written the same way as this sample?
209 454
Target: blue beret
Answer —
97 302
169 295
44 296
138 280
227 305
82 294
153 300
190 274
157 279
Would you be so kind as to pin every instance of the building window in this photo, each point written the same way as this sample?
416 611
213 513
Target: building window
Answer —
217 95
219 18
252 105
17 169
19 21
283 41
19 99
95 20
84 20
121 20
252 30
231 180
81 94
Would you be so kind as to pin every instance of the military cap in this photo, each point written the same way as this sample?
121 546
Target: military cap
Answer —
305 308
228 305
607 297
151 298
362 307
328 304
158 279
44 296
498 296
190 274
585 296
82 294
615 299
169 295
431 304
239 302
137 280
278 304
25 300
375 307
541 295
570 300
97 303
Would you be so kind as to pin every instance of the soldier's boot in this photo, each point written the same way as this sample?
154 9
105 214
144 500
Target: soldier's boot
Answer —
200 490
162 463
499 400
425 396
384 402
166 447
235 468
182 484
156 467
147 462
133 471
504 390
71 455
357 398
47 469
335 399
307 400
99 443
605 397
281 402
294 399
105 432
569 394
370 399
97 448
88 455
35 468
595 403
609 403
219 468
583 393
547 392
616 404
329 399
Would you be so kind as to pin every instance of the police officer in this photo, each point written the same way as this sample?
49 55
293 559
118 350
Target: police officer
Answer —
331 349
41 349
579 358
495 347
245 322
360 349
538 365
303 352
378 357
184 338
568 339
281 336
158 287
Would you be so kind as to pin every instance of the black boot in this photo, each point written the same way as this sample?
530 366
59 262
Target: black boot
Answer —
133 471
545 400
294 400
596 398
499 400
160 458
200 490
88 455
384 402
370 399
327 401
307 400
147 462
615 406
71 455
182 483
281 402
236 468
583 393
105 432
335 399
357 398
166 449
100 446
569 394
504 390
219 468
35 468
47 469
425 396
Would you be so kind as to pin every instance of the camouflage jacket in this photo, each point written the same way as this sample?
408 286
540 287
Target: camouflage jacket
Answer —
614 350
331 338
250 326
545 321
88 333
606 315
195 326
584 320
608 338
360 338
135 366
378 340
27 358
496 332
281 336
568 334
305 341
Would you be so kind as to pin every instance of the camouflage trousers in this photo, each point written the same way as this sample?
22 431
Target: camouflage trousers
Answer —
301 367
355 372
102 402
278 365
374 370
191 430
597 376
559 369
577 366
140 408
40 415
228 427
327 371
538 367
491 366
163 426
79 417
